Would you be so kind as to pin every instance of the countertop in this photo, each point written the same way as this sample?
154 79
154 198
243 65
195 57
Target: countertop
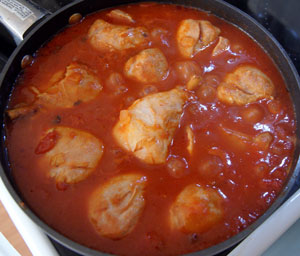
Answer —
8 229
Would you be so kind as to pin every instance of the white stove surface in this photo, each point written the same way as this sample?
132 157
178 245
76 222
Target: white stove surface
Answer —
288 244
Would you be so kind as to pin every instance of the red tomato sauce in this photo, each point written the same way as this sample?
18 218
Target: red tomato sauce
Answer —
248 179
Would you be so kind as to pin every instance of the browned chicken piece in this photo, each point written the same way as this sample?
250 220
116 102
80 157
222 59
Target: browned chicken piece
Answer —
222 46
116 206
245 85
104 36
147 127
149 66
120 16
195 35
79 84
196 209
70 154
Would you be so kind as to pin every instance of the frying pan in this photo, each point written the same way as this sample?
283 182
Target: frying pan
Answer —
51 24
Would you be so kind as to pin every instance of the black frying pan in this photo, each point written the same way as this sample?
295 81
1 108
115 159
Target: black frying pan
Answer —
52 24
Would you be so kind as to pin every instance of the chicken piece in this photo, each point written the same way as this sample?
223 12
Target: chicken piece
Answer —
222 46
196 209
146 128
120 16
209 33
115 207
104 36
149 66
65 89
70 154
191 139
195 35
79 84
188 35
245 85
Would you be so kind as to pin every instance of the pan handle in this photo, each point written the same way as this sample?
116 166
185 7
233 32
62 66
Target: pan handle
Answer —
19 15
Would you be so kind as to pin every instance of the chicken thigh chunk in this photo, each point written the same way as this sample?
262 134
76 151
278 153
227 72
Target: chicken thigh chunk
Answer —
70 154
67 88
195 35
149 66
115 207
104 36
245 85
196 209
78 84
147 127
222 46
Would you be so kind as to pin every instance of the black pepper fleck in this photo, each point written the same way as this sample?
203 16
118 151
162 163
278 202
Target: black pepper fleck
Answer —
57 119
78 102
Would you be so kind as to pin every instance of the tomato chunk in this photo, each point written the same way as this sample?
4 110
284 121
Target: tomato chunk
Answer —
47 143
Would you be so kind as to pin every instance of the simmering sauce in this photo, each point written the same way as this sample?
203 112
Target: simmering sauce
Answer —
240 153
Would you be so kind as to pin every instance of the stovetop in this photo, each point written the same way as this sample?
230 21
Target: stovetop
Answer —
281 18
